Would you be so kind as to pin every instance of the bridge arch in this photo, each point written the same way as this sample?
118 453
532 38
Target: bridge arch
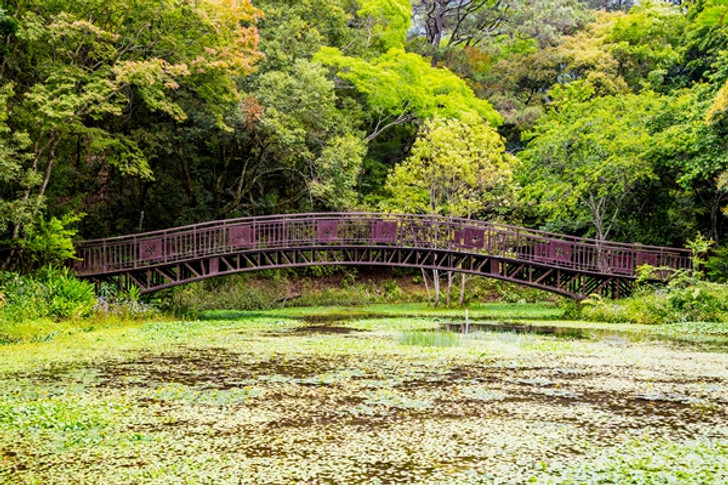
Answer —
573 267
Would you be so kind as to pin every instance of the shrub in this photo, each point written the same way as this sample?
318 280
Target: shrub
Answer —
49 242
49 293
717 265
68 297
681 301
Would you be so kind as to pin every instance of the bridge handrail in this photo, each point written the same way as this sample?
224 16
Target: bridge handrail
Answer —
373 215
503 240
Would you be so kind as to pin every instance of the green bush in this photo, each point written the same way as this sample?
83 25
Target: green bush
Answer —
49 242
49 293
717 265
693 301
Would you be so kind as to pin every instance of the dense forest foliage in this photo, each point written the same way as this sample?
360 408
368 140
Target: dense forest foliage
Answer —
600 118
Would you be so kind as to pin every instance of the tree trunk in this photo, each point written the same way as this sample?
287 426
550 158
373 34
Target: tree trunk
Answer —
450 277
427 286
461 301
436 283
46 178
435 29
598 215
189 185
715 216
38 150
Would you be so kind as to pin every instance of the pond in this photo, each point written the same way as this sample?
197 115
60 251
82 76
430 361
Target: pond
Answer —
289 397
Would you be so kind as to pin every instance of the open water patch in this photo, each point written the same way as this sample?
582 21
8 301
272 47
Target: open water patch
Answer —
605 335
515 328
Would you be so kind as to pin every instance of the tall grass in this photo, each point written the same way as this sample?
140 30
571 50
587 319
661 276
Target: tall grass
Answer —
277 289
428 338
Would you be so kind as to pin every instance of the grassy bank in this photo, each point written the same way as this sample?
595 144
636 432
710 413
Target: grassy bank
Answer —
682 300
331 286
52 303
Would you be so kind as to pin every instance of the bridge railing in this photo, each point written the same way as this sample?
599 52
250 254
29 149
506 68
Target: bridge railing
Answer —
136 251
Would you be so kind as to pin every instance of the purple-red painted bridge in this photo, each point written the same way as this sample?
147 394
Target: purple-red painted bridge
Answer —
570 266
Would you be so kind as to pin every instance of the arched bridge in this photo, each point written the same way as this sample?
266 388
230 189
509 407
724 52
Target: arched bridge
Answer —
570 266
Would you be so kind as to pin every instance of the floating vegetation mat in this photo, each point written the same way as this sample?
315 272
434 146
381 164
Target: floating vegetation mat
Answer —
370 400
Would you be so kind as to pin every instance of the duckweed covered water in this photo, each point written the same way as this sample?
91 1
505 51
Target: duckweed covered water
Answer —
284 399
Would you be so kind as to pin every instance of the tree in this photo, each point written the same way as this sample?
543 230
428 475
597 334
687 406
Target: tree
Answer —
547 21
447 25
625 52
300 132
610 58
337 171
81 69
461 23
609 5
457 168
647 43
515 70
13 177
693 153
715 13
400 87
389 21
585 159
518 86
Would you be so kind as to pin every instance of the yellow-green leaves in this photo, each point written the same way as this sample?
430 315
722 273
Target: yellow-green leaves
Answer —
392 19
457 168
716 13
621 52
723 186
337 171
81 41
719 108
155 79
400 82
229 39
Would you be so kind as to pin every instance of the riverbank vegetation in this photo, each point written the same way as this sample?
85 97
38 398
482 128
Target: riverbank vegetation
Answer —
52 302
696 302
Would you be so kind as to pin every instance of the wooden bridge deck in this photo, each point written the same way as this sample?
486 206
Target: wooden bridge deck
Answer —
570 266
